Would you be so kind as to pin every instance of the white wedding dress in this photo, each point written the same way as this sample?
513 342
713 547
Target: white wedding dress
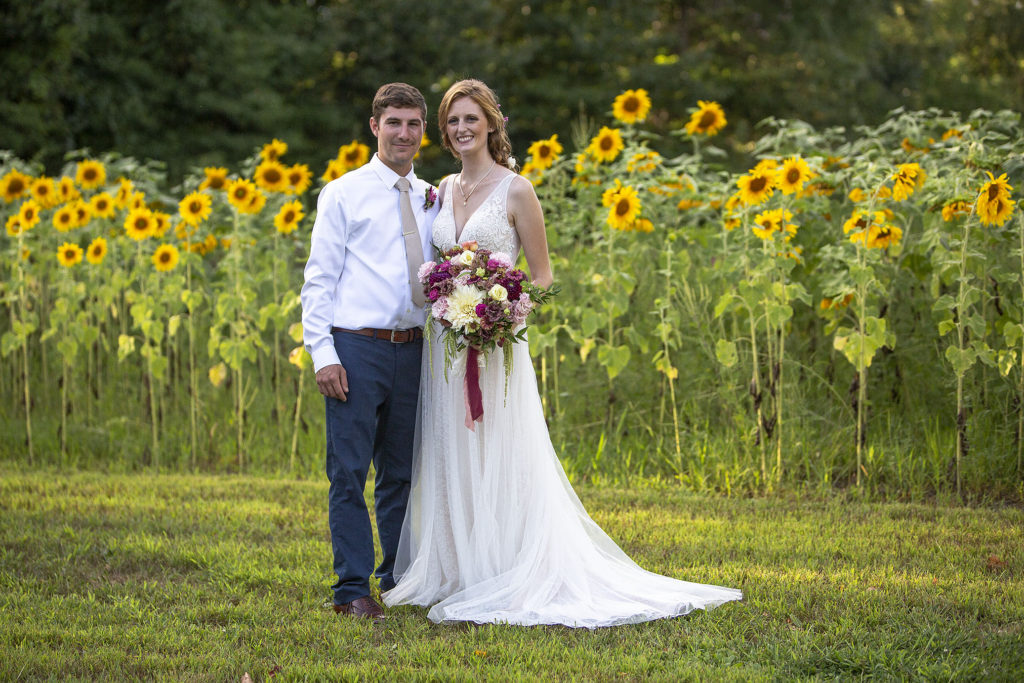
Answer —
494 532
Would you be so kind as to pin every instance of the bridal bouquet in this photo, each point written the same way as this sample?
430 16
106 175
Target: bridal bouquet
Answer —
483 302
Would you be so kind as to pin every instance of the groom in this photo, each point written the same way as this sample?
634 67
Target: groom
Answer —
362 320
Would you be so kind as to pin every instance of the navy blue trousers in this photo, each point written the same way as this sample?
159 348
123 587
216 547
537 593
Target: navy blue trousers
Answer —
376 424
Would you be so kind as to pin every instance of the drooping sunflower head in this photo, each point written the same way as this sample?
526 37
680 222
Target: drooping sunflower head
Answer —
195 208
165 257
271 176
606 145
908 177
125 190
90 174
163 223
608 196
632 106
69 254
13 225
287 219
544 153
14 184
299 178
97 251
708 119
335 169
996 211
256 203
102 205
83 212
216 178
793 174
273 150
954 209
756 186
139 224
625 209
644 162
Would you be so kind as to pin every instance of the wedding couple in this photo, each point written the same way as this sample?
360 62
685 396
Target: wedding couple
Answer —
479 525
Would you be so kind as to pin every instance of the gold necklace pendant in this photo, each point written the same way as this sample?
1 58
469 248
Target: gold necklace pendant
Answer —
465 197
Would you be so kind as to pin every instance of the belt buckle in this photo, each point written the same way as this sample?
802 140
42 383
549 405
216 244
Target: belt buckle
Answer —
393 337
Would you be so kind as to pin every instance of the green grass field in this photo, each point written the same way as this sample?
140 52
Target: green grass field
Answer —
207 578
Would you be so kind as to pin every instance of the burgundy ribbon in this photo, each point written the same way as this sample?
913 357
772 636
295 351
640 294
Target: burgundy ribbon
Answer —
471 389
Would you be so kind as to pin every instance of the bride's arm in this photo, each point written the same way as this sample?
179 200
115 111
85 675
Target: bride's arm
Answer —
528 219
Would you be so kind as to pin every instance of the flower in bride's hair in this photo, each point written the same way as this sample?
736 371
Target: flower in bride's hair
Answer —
462 303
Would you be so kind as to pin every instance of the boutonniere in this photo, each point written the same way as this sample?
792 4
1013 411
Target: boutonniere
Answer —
429 197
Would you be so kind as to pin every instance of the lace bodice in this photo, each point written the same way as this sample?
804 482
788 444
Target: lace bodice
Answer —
488 225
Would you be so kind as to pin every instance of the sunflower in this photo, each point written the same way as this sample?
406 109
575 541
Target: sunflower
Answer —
125 189
140 224
256 203
195 208
606 145
216 178
102 205
955 208
767 223
756 186
708 119
871 230
686 204
643 225
335 169
240 193
14 184
883 236
608 196
163 223
66 190
165 257
137 200
533 173
793 174
287 219
44 191
83 212
831 303
625 209
353 155
952 132
69 254
632 106
299 177
908 177
97 251
13 225
28 213
271 176
273 150
994 204
64 218
857 195
544 153
644 162
90 174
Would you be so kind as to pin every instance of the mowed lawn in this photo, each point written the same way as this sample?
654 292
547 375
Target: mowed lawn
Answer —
210 578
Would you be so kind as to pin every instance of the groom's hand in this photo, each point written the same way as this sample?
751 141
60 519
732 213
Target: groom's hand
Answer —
333 381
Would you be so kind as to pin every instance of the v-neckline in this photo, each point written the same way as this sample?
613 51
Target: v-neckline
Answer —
458 232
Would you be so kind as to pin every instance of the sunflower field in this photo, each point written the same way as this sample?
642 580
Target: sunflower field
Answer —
847 312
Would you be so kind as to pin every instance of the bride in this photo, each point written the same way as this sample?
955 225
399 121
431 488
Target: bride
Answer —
494 532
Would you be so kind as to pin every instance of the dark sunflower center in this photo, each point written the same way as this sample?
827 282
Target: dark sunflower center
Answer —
289 217
351 156
89 174
708 119
216 182
993 192
294 178
195 206
141 224
165 256
241 193
793 175
758 183
69 254
65 218
544 151
17 186
632 104
272 175
606 143
101 205
622 207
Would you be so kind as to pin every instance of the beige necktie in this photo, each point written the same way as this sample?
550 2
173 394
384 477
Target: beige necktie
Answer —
413 246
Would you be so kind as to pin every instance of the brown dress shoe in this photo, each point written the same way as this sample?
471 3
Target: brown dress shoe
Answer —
366 608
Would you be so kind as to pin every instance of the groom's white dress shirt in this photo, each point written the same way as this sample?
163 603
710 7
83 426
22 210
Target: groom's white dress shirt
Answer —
357 275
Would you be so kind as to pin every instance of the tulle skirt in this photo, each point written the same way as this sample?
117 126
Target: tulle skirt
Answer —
494 533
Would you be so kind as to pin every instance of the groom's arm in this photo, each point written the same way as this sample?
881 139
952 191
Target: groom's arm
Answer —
322 274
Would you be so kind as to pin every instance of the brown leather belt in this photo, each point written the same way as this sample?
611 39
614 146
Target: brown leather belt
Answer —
393 336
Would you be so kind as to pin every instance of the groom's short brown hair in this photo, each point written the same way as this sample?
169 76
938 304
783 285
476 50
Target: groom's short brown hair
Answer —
401 95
